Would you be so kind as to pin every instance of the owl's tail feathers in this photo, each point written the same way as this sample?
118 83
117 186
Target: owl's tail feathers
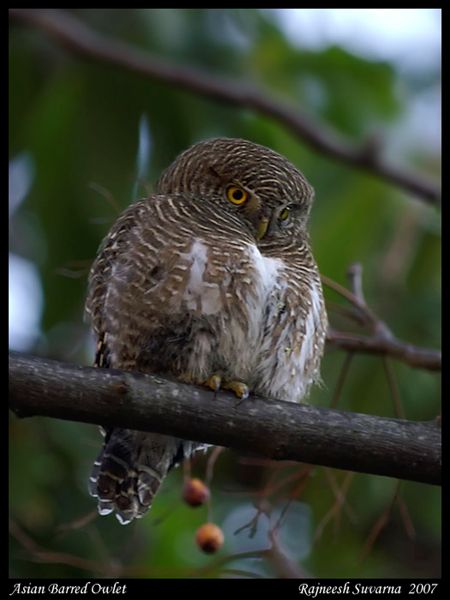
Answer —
129 471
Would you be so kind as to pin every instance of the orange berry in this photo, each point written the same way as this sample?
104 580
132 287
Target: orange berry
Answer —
195 492
209 538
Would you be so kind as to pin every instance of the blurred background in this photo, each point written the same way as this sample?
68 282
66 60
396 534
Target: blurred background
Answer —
86 139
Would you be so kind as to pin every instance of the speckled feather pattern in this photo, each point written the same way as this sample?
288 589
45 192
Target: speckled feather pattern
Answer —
181 286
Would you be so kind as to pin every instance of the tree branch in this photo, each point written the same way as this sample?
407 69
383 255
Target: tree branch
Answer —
274 429
78 38
414 356
382 340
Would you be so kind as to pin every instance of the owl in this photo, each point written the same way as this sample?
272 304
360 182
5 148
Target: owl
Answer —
210 280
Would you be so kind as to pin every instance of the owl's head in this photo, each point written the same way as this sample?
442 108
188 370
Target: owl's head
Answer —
244 179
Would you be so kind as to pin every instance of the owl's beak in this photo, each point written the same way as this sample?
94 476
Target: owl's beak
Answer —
262 227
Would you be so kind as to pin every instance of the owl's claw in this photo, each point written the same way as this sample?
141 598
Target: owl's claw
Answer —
241 390
214 382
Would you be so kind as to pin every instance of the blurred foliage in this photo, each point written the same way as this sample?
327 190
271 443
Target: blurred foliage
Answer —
78 122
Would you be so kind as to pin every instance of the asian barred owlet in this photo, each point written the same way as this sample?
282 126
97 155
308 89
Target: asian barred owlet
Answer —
210 279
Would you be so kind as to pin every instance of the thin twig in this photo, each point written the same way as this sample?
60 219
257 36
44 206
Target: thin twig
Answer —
263 508
406 518
212 458
106 195
414 356
77 523
379 525
341 380
42 555
285 567
113 568
79 38
306 474
221 561
340 492
217 451
272 486
348 312
340 501
381 341
354 274
187 469
393 386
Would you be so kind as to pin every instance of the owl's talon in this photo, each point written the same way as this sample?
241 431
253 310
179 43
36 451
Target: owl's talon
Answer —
241 390
214 382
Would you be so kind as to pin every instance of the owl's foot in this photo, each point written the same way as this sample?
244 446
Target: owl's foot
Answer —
241 389
216 383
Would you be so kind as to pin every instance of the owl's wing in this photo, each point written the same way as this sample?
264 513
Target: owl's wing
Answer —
113 244
126 304
134 280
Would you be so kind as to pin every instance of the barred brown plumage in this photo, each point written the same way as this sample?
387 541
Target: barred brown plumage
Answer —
190 284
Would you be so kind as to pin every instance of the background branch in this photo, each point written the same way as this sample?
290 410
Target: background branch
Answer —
424 358
274 429
79 38
382 340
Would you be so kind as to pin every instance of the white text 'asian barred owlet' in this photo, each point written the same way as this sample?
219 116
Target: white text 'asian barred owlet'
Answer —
210 279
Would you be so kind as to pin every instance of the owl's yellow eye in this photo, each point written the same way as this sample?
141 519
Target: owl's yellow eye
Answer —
284 214
236 195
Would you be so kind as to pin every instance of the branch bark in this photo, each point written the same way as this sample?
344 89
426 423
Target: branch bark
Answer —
78 38
274 429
